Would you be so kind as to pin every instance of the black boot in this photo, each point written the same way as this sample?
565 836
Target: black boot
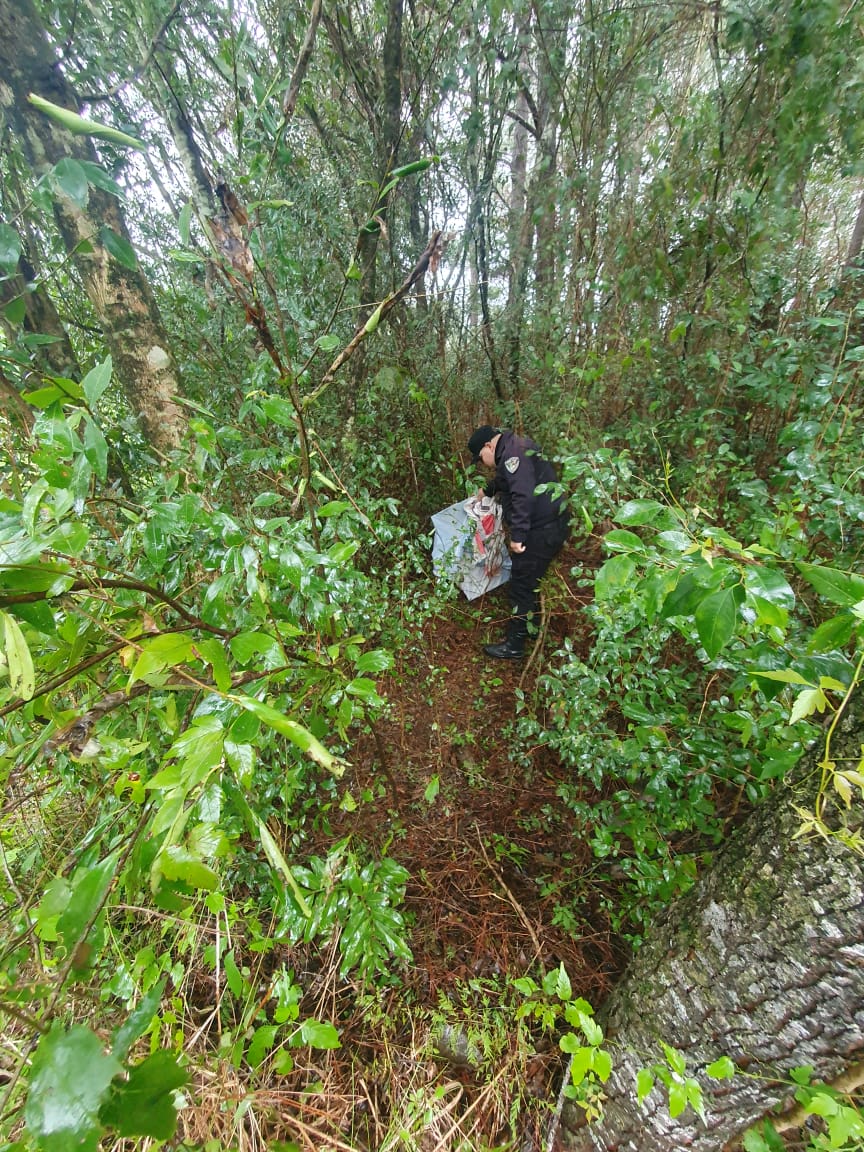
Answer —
506 650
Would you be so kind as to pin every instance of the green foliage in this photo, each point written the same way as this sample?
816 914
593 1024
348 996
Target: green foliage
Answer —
358 900
636 719
553 1003
234 657
191 647
682 1090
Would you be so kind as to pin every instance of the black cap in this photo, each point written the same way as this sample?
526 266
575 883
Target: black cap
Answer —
480 437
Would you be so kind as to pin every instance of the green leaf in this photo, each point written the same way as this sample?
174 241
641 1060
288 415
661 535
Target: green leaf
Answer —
694 1098
159 653
279 411
673 541
526 986
143 1105
95 447
620 540
274 854
715 620
674 1058
138 1020
806 703
636 512
677 1099
177 863
770 584
246 645
185 257
563 987
580 1062
88 893
374 320
233 976
432 789
602 1064
339 553
260 1044
184 223
212 651
97 177
71 179
79 126
615 574
571 1043
644 1083
766 1140
593 1031
319 1035
683 598
10 248
295 732
843 588
784 675
377 660
363 687
833 633
16 310
119 247
69 1080
22 677
722 1069
96 381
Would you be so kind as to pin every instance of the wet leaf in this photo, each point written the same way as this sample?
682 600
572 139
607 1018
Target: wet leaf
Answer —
69 1081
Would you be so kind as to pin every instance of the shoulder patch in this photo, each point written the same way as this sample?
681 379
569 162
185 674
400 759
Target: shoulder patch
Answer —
511 464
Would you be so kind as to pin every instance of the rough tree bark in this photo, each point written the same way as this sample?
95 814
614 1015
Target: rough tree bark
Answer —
761 961
121 298
856 239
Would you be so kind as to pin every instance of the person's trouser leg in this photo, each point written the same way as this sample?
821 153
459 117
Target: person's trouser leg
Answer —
523 587
529 568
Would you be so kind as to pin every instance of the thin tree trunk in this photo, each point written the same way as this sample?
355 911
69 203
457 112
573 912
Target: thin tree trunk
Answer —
121 298
760 961
57 357
305 55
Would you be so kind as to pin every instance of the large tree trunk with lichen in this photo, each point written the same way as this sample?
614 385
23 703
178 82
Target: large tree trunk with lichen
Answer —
120 296
761 961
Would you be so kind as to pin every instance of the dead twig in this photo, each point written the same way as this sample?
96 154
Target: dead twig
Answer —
517 907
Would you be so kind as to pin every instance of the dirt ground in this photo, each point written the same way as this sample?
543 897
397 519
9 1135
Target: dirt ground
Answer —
476 850
492 860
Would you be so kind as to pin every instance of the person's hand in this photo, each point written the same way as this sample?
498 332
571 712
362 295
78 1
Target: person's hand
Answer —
516 547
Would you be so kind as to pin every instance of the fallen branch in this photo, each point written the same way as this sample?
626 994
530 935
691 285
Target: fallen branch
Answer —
520 912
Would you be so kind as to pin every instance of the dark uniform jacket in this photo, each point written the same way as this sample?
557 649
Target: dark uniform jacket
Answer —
519 468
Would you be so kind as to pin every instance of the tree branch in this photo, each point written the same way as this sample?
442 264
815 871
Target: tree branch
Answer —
302 62
430 254
95 585
97 97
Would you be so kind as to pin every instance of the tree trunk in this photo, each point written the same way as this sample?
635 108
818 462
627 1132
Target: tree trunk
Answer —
121 298
856 239
57 357
760 961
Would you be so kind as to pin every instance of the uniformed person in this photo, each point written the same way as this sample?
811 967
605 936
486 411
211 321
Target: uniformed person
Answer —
538 523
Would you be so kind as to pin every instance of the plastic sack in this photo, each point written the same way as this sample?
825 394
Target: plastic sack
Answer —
469 546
